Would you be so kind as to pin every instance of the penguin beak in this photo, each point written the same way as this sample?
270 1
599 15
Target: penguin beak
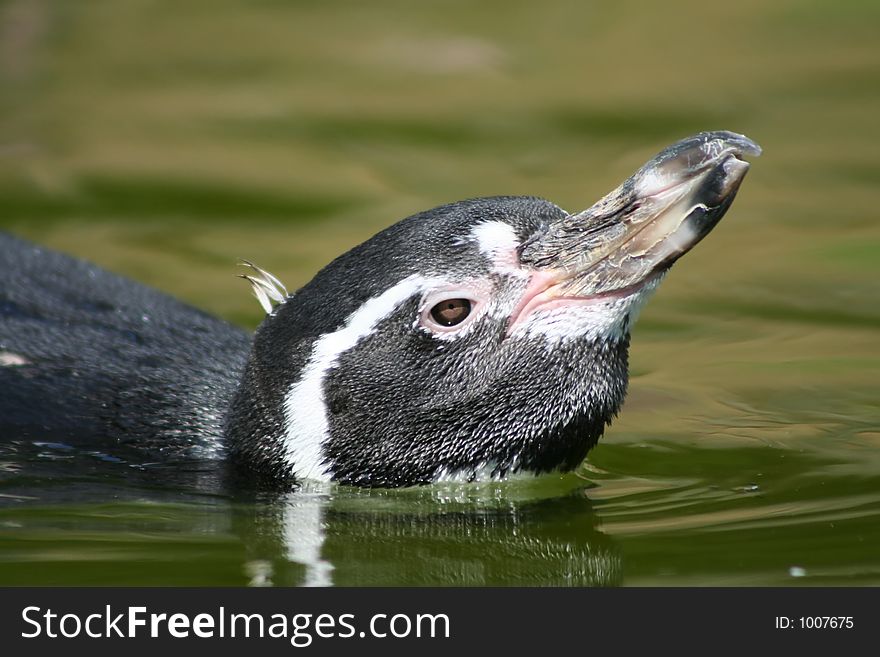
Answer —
657 215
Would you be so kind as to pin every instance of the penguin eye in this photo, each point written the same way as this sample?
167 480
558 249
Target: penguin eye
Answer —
447 312
450 312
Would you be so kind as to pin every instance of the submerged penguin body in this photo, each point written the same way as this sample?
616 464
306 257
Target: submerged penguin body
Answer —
90 356
474 341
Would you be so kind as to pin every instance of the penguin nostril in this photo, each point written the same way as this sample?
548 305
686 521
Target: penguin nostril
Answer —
451 311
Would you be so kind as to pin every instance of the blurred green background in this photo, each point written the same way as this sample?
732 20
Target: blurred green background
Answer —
165 140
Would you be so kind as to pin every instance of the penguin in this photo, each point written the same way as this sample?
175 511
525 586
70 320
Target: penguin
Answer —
479 340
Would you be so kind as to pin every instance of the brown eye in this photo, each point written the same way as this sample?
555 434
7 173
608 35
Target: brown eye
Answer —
451 311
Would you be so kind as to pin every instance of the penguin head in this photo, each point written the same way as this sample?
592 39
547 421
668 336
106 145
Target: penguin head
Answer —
478 340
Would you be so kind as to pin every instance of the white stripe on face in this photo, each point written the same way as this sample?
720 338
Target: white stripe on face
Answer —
305 408
498 241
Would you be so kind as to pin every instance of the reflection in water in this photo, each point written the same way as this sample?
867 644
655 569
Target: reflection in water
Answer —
321 537
304 533
680 513
57 494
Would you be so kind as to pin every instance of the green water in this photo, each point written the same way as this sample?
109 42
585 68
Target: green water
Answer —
166 140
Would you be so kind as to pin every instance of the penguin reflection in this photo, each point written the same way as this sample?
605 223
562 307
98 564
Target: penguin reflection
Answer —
319 536
539 532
